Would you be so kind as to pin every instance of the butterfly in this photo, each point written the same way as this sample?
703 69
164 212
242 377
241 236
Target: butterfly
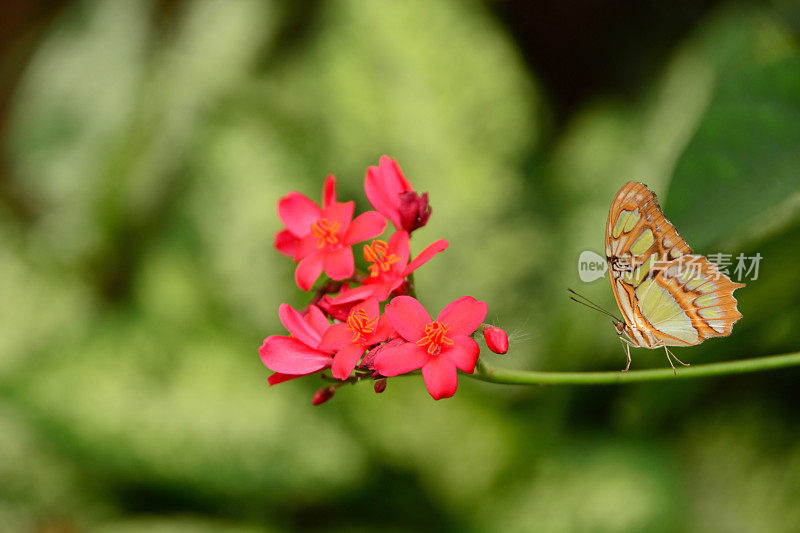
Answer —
668 296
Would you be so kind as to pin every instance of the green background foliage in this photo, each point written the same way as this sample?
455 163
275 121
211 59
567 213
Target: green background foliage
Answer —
145 153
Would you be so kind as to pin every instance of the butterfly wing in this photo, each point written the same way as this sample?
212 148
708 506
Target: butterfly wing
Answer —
667 295
688 301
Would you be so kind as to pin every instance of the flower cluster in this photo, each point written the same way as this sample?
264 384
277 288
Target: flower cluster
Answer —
363 342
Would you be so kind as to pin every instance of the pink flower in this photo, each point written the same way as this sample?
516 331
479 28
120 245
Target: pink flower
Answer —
363 328
496 339
392 195
324 236
389 267
286 240
438 346
299 354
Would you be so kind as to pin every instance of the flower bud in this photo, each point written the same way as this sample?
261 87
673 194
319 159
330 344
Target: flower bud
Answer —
380 385
323 395
496 339
369 358
414 210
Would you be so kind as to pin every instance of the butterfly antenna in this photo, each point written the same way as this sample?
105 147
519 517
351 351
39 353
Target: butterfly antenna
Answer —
591 305
615 319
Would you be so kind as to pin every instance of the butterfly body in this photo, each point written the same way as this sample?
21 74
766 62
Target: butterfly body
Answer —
668 296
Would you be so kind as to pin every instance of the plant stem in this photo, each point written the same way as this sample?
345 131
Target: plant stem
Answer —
485 372
412 289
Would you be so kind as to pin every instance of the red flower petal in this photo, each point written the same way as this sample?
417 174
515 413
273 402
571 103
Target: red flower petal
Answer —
365 226
308 270
346 360
341 212
298 212
335 311
400 360
329 191
355 295
391 170
383 290
339 264
286 243
370 306
441 378
297 326
277 377
383 185
463 316
463 353
336 338
316 319
408 317
379 199
305 247
288 355
398 245
382 332
426 255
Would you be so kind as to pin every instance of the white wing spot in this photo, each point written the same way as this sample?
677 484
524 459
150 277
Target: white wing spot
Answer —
717 325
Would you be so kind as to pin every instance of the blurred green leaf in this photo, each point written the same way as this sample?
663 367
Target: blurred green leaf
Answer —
38 482
598 486
743 162
742 480
172 524
146 404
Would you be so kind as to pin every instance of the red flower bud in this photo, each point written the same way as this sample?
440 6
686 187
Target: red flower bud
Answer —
496 339
323 395
414 210
368 360
380 385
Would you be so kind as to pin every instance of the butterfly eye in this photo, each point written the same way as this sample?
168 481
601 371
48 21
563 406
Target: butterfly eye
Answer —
621 264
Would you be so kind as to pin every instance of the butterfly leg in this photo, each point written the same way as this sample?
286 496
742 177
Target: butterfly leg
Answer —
670 357
627 347
670 361
678 360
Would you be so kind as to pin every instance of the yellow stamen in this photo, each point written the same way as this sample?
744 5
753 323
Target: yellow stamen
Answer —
375 253
325 232
435 338
359 323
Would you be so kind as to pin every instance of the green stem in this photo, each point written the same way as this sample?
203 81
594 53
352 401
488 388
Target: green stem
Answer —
486 372
412 289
